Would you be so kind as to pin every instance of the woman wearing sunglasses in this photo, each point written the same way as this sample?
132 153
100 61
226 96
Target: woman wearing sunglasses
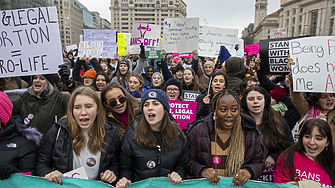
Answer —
120 107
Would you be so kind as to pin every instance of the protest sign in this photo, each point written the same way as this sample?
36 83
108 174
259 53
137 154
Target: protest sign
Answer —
183 111
148 34
121 44
71 47
252 48
211 38
189 95
29 42
314 69
181 34
81 38
93 49
14 94
77 173
153 52
184 55
107 36
278 33
240 51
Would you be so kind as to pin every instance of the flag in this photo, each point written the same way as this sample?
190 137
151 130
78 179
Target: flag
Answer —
223 56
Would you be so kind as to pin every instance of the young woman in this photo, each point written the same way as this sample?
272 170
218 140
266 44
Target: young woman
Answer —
120 107
225 143
173 89
154 145
136 85
311 158
179 72
83 138
101 79
204 101
157 81
190 81
148 75
122 73
88 77
275 132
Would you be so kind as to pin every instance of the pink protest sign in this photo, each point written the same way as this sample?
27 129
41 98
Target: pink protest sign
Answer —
175 54
148 34
253 48
184 55
183 111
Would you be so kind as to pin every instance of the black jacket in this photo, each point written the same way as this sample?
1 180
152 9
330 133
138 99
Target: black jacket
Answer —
18 146
58 154
134 160
203 109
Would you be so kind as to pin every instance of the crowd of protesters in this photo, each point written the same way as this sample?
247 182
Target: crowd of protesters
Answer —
111 116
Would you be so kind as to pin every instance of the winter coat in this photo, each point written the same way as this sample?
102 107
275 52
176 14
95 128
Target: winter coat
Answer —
138 93
191 86
54 107
57 153
147 81
236 72
203 78
203 109
18 146
198 137
14 82
135 160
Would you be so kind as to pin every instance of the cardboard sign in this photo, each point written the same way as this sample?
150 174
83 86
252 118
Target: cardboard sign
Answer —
252 49
190 95
278 33
93 49
14 94
211 38
240 51
71 47
153 53
121 44
183 111
314 69
107 36
181 34
29 42
77 173
148 34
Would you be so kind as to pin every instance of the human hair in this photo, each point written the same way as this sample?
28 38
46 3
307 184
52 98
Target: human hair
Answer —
273 136
170 131
2 84
313 99
140 79
325 158
120 76
96 132
195 85
58 82
235 155
151 67
244 83
218 74
95 79
130 100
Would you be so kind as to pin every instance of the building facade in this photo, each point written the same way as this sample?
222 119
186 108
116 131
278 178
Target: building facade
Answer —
126 12
261 10
262 31
105 24
21 4
96 19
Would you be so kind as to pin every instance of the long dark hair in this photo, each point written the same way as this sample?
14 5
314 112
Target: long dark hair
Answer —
277 139
195 82
95 79
170 131
325 158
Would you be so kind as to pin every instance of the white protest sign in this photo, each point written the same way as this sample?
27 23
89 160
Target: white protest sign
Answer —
81 38
181 34
14 94
314 69
29 42
278 33
211 38
93 49
71 47
189 95
148 34
77 173
107 36
240 51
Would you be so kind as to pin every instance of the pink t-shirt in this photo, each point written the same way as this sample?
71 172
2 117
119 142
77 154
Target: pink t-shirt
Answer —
306 169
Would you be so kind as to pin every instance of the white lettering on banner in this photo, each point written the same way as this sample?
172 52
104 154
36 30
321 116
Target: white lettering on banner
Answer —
314 64
29 42
278 53
211 38
181 34
108 36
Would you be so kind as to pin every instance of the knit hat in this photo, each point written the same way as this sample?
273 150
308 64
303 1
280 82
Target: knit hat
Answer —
278 93
124 61
6 108
178 68
176 59
159 74
173 81
211 63
90 73
168 56
50 78
158 95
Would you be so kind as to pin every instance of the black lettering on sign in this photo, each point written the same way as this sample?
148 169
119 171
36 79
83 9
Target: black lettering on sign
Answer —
308 49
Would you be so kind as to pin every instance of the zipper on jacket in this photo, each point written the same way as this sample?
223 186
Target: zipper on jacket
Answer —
159 160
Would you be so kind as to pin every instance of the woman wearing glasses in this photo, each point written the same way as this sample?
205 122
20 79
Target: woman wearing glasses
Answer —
120 107
173 89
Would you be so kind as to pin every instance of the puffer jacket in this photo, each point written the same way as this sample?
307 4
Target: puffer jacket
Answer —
58 154
198 137
18 146
134 160
54 107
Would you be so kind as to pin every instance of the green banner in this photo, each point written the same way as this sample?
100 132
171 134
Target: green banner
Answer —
22 181
153 53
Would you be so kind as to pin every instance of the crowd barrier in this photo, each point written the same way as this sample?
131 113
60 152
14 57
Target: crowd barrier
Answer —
22 181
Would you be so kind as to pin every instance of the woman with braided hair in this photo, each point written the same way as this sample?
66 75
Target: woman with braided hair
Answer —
225 143
136 86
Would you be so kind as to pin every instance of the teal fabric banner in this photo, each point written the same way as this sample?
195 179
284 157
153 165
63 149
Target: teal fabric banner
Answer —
22 181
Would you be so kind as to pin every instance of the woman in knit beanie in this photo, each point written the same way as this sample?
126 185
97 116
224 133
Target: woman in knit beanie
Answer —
157 81
173 89
88 77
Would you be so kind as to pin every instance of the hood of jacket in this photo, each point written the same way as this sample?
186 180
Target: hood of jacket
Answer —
235 67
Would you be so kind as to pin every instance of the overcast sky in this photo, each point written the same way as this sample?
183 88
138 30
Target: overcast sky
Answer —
236 14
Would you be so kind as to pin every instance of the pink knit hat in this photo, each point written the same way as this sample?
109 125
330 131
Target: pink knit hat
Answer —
176 59
6 108
211 63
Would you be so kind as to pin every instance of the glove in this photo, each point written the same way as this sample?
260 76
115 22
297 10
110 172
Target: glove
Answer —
195 54
64 73
142 53
7 170
163 54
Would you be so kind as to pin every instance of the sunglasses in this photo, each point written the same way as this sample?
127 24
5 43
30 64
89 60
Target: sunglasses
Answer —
113 103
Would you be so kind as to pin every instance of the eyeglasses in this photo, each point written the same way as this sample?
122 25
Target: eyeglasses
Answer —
169 90
113 103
